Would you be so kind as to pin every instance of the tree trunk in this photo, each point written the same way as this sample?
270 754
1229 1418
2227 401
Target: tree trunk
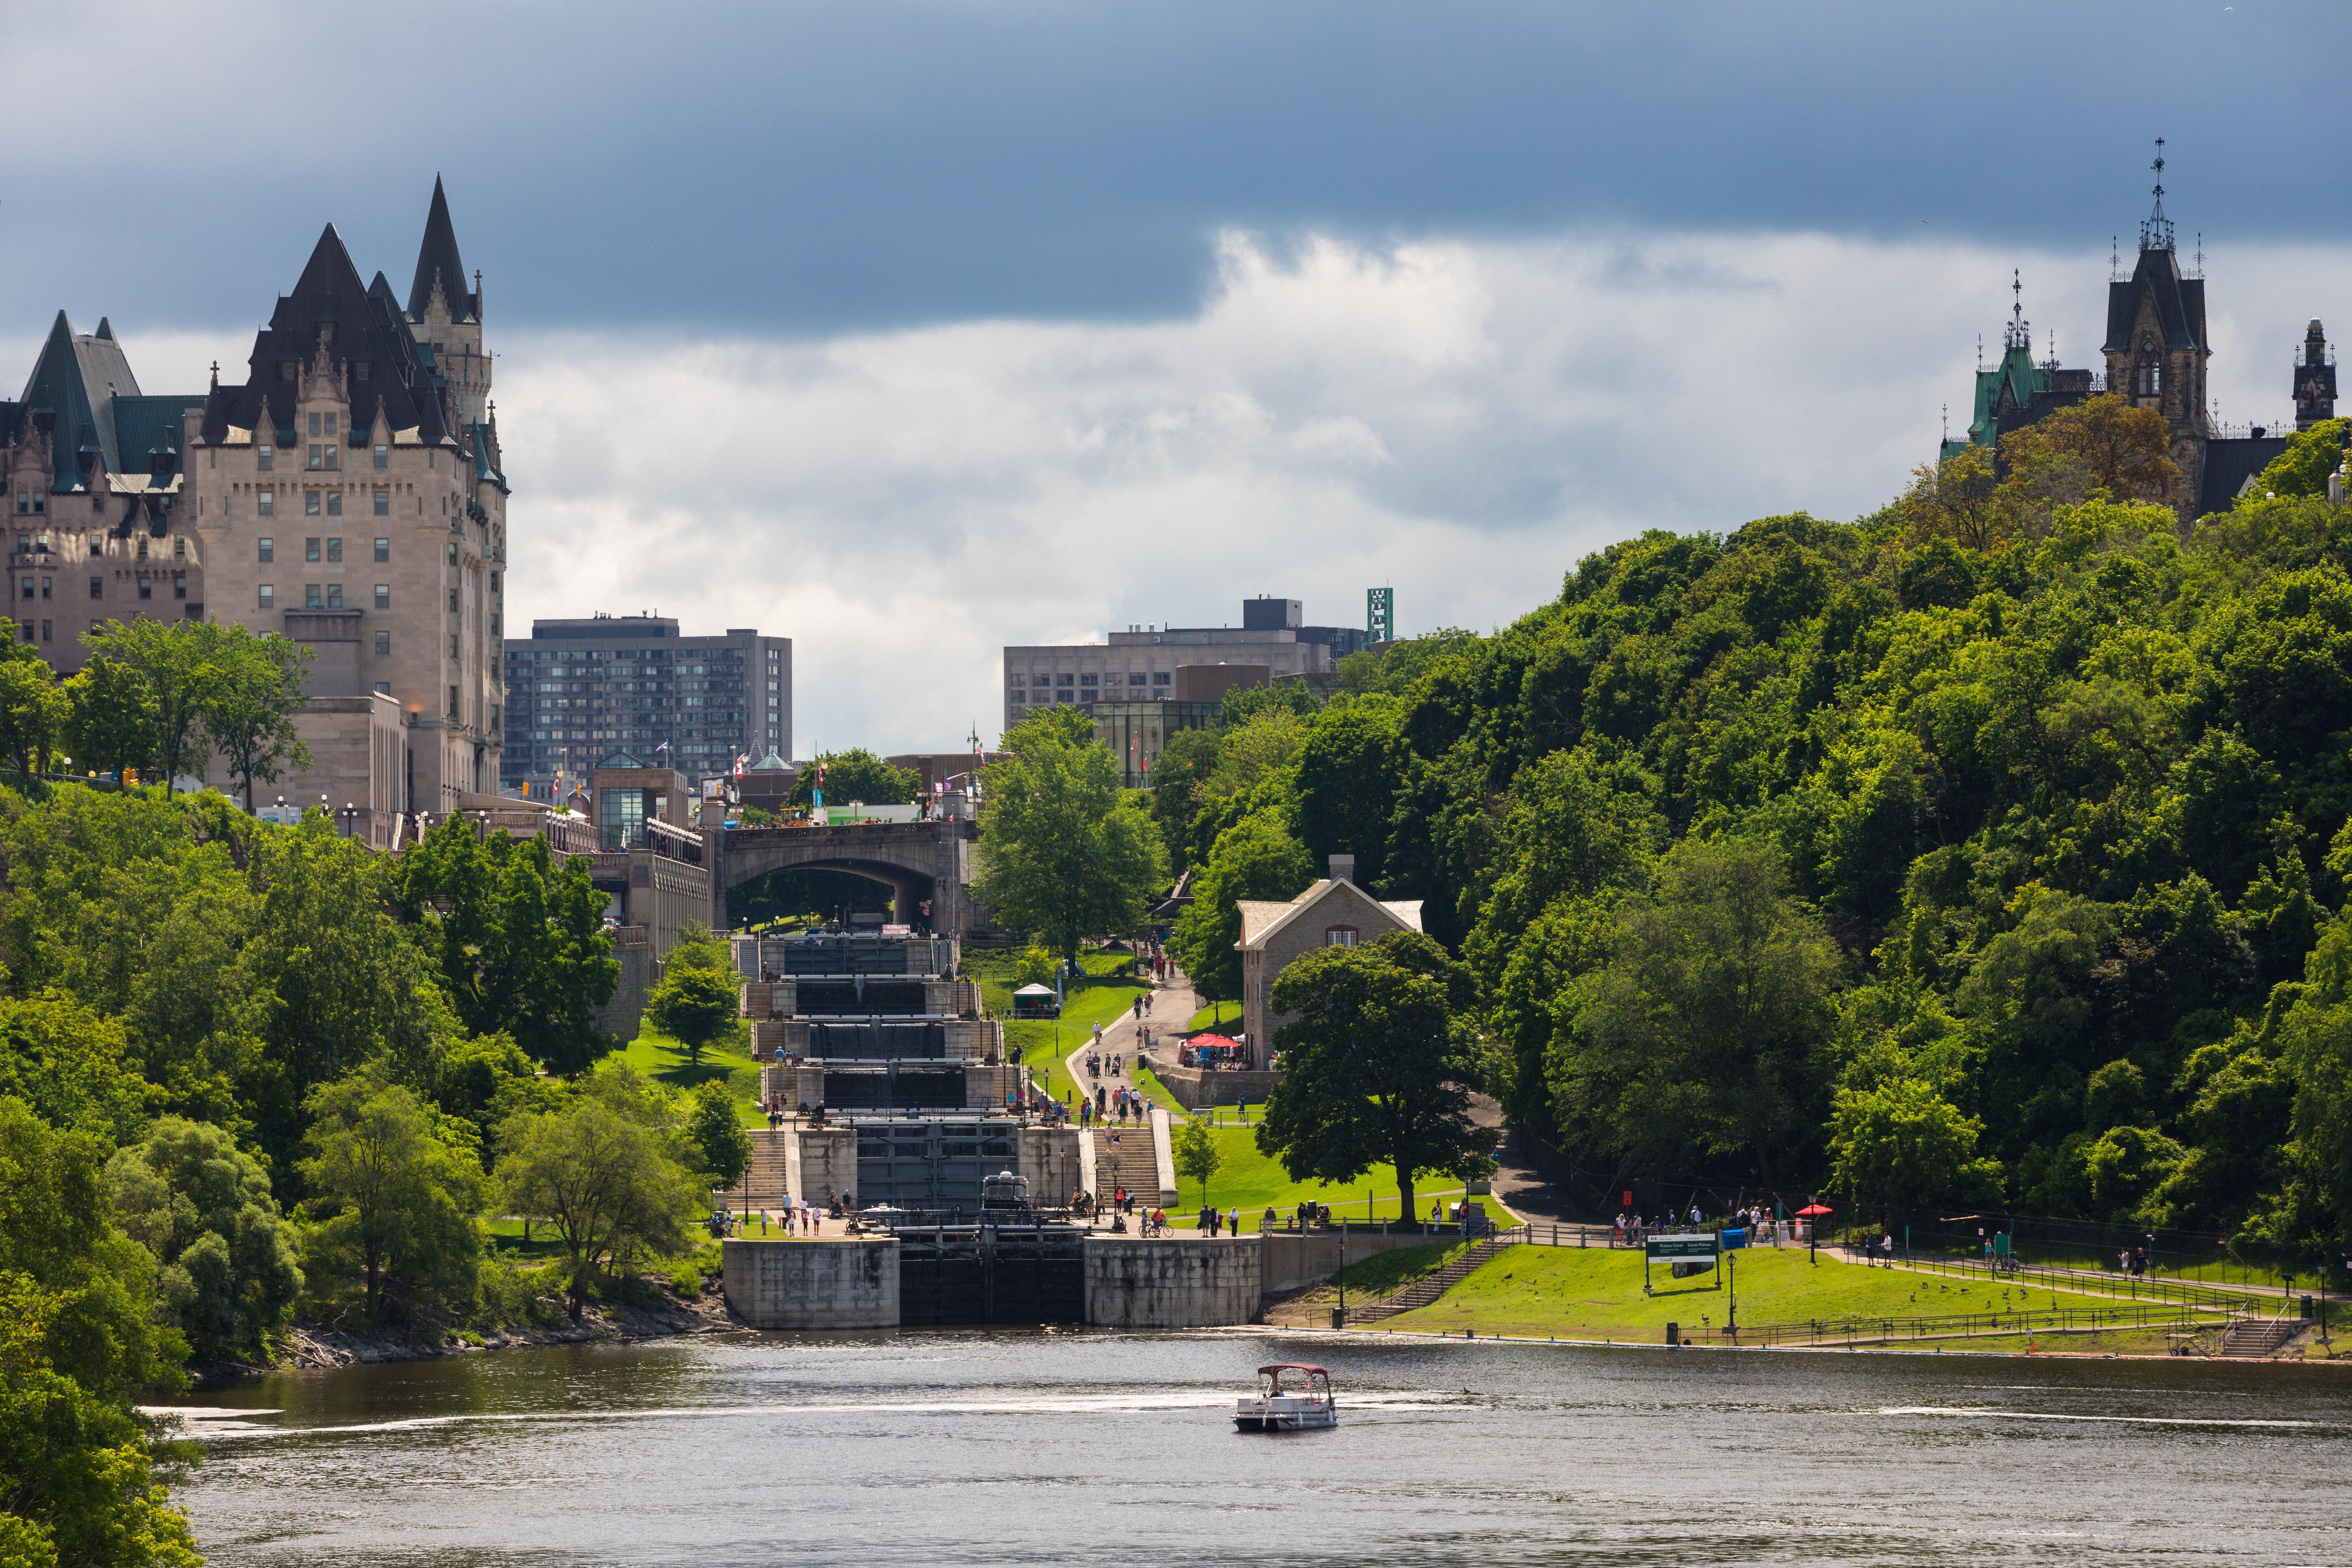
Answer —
1410 1210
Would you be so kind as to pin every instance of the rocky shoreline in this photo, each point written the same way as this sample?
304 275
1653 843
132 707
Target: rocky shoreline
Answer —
309 1347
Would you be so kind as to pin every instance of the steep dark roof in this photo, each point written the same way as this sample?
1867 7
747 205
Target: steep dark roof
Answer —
2179 303
360 326
2229 464
438 255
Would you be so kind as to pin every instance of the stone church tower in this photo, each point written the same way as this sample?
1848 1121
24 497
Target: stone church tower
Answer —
2156 348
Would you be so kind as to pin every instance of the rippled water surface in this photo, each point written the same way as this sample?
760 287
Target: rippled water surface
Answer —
955 1448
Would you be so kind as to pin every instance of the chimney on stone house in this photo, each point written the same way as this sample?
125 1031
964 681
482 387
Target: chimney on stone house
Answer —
1343 868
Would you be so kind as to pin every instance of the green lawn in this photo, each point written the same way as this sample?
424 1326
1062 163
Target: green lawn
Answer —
1215 1016
1044 1046
659 1058
1596 1293
1256 1182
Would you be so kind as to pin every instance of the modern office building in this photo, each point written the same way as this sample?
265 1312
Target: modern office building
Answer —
1140 664
578 690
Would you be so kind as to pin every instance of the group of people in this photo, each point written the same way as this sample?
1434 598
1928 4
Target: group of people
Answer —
1631 1229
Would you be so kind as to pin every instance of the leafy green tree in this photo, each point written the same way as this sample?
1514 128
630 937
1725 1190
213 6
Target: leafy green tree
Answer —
1255 859
1903 1143
1350 769
71 1064
1033 966
718 1132
606 1180
184 666
2311 456
110 721
694 1007
80 1344
1198 1158
856 774
1177 774
1065 853
1696 1039
33 711
396 1198
520 938
248 714
1244 703
203 1206
1373 1064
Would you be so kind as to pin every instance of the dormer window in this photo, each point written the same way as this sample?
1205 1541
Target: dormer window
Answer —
288 369
359 370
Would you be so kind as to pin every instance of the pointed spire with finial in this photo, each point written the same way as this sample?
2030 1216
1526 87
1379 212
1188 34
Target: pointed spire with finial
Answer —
436 257
2016 337
2156 233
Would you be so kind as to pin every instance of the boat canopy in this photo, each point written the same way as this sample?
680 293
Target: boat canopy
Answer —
1291 1366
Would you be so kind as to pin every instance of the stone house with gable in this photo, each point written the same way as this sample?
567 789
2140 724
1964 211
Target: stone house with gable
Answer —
1334 912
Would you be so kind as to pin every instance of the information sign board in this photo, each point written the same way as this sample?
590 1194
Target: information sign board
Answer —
1700 1244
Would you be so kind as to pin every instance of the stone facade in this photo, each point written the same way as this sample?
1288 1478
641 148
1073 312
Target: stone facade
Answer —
1334 912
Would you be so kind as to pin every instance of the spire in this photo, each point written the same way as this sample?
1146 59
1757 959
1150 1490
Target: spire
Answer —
2016 336
2156 233
438 257
105 330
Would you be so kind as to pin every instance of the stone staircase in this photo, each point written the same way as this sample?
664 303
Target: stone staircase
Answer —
1129 1165
765 1179
1421 1292
2260 1336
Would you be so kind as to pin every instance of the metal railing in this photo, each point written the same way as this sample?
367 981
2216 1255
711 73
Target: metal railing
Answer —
1862 1330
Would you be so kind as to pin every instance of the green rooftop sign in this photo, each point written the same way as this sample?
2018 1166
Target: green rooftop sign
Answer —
1701 1245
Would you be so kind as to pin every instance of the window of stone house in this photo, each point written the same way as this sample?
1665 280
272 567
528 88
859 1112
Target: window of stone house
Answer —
1338 936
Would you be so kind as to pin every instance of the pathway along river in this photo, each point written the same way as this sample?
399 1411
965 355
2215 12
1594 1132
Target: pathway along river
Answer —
1082 1446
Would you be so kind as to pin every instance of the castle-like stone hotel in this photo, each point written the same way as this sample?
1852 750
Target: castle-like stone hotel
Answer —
347 494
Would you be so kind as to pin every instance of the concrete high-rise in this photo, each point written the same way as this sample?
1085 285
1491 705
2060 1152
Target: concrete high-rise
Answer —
579 690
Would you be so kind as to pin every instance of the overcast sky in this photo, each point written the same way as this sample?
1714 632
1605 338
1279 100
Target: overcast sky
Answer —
908 331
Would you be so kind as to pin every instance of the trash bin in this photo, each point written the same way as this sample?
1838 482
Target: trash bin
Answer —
1673 1333
1338 1316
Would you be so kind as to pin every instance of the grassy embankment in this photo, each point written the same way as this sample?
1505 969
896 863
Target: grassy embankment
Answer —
657 1056
1044 1046
1595 1293
1256 1182
1216 1015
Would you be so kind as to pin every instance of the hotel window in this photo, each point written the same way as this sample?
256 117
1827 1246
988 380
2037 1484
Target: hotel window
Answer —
494 581
334 453
334 596
24 502
269 597
265 504
45 587
310 550
311 596
384 686
97 587
453 601
45 633
318 455
453 702
146 586
384 642
383 550
267 456
1161 677
383 595
453 645
268 548
312 503
28 587
179 586
453 554
383 503
179 547
334 503
383 456
334 549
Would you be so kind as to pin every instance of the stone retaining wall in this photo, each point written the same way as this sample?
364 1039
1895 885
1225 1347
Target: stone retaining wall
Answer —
1196 1089
1171 1284
813 1284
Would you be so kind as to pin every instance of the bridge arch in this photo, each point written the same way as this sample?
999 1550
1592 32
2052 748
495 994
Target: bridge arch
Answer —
919 861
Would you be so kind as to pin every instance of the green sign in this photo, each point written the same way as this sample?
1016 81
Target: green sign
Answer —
1701 1245
1380 614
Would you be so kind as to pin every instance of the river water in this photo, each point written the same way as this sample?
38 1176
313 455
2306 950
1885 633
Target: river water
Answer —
990 1446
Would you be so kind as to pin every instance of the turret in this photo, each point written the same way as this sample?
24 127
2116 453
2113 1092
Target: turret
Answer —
2315 380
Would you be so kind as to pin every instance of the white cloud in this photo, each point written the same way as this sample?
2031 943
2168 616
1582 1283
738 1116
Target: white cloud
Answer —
1461 420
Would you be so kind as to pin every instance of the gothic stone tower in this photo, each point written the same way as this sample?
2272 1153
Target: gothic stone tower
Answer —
2315 380
2156 348
351 495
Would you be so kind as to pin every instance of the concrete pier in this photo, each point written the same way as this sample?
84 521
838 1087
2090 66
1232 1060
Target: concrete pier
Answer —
851 1284
1173 1284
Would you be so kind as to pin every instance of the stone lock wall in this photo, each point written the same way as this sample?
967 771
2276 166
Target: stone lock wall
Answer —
1178 1284
813 1284
1197 1090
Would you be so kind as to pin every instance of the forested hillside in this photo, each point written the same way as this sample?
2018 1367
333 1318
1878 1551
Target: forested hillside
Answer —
1992 848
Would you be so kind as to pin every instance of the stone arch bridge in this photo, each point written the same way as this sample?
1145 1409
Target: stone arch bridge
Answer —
920 862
